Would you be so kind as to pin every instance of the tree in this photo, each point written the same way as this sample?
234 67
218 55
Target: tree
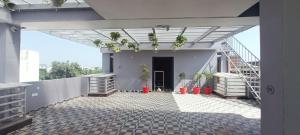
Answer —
44 74
64 70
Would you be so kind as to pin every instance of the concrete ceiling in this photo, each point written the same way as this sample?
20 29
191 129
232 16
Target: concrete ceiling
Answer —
149 9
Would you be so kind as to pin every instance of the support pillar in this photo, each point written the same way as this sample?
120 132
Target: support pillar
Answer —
280 73
9 53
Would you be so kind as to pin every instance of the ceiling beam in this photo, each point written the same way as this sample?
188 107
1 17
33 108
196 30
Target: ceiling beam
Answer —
183 31
205 34
130 36
233 33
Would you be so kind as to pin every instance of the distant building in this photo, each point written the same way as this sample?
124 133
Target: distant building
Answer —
29 66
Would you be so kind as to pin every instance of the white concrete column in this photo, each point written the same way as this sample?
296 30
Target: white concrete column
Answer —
280 50
9 53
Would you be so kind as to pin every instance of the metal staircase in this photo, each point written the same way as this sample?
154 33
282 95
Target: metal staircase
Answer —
245 63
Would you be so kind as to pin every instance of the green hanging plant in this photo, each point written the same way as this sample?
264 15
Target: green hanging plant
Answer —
98 42
180 41
9 5
110 45
124 41
152 38
133 46
115 36
117 49
58 3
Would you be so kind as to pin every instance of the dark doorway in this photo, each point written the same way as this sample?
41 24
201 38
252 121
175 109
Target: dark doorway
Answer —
163 73
219 64
111 62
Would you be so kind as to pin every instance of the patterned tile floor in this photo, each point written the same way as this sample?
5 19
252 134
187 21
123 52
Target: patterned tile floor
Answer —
141 114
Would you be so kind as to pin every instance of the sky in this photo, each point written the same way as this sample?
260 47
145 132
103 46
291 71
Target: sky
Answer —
52 48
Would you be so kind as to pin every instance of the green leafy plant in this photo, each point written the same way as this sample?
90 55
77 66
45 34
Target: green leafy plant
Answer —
133 46
209 76
180 41
145 74
110 45
198 78
117 49
98 42
58 3
182 77
124 41
9 5
152 38
115 36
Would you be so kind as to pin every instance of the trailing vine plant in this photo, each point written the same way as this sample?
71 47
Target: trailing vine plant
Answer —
152 38
180 41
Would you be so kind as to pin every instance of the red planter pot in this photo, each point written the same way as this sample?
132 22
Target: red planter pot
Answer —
196 90
183 90
146 89
208 90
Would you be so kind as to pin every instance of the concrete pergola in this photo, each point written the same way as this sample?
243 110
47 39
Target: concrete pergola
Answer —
279 21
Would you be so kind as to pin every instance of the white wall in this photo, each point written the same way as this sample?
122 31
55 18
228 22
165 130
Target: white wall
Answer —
29 66
127 65
280 66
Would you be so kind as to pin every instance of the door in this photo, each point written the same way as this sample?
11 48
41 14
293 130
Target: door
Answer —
163 73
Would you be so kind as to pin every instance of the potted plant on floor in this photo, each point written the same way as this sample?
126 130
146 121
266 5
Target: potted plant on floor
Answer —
209 76
197 89
183 89
145 77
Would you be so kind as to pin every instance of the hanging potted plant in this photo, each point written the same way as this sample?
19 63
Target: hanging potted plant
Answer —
180 41
145 77
98 43
58 3
115 36
9 5
197 89
133 46
183 89
152 38
124 41
208 89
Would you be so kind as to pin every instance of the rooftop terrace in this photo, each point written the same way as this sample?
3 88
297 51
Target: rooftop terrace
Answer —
154 113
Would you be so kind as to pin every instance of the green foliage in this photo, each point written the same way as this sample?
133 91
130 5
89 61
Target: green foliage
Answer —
110 45
58 3
152 38
145 73
198 78
117 49
209 76
181 76
133 46
124 41
66 70
115 36
44 74
90 71
98 42
180 41
9 5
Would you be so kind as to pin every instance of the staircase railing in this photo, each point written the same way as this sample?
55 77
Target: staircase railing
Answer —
245 63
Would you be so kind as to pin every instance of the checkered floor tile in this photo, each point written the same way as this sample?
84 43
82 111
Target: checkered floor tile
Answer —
142 114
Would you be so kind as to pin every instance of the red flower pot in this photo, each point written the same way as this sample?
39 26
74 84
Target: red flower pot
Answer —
146 89
196 90
183 90
208 90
